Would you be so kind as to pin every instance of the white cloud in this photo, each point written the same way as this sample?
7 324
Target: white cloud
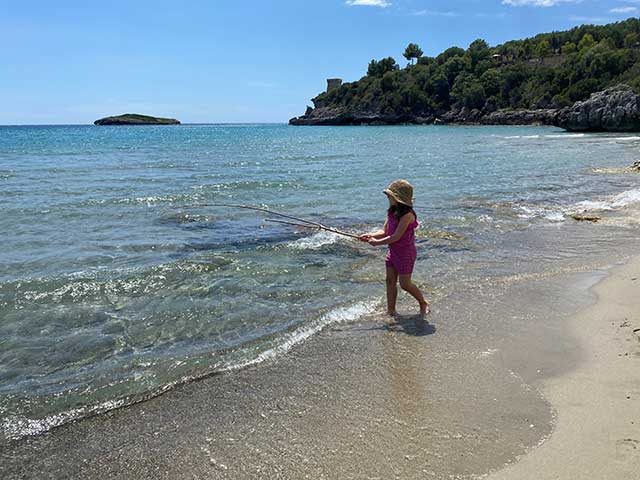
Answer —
369 3
433 13
592 20
536 3
623 10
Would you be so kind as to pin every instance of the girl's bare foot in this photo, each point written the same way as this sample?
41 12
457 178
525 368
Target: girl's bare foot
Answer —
392 318
425 309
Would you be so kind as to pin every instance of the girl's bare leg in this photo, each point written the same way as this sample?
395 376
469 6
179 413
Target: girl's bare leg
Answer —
392 290
408 286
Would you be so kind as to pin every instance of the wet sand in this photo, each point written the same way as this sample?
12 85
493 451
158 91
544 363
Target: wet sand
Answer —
364 401
598 403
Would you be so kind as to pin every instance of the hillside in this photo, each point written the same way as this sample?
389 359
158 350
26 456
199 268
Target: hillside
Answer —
483 84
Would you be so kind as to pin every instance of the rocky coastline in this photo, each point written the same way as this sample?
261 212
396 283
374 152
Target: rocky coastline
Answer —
616 109
463 116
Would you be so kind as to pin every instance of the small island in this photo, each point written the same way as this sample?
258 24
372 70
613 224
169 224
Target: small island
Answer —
136 119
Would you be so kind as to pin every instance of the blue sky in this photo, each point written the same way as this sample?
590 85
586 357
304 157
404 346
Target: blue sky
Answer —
235 60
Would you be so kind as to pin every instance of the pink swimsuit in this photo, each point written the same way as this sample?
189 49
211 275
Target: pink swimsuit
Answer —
402 254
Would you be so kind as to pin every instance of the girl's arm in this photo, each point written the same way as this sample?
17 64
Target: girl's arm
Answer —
379 234
397 235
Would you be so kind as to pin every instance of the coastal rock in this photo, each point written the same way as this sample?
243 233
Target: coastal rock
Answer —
635 166
341 116
467 116
136 119
616 109
520 117
463 116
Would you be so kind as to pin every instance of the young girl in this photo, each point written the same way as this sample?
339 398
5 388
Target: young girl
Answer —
398 233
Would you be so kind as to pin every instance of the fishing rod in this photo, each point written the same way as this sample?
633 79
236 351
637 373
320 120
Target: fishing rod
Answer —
302 222
274 220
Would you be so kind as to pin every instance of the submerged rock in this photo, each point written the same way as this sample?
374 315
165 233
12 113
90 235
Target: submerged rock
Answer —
136 119
585 218
616 109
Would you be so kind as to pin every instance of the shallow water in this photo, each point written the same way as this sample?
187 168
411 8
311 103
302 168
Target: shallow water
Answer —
112 290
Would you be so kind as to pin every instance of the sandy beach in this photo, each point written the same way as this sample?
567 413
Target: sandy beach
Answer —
598 403
555 395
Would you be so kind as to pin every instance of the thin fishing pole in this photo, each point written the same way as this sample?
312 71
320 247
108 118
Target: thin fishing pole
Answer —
272 212
251 207
328 229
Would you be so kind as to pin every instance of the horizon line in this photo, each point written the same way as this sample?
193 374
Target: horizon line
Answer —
147 125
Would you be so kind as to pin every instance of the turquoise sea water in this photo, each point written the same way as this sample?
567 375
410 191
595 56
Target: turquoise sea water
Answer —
112 290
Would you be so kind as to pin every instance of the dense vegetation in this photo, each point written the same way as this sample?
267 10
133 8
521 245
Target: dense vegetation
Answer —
547 71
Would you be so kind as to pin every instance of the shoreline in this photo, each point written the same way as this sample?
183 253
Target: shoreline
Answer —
597 434
355 400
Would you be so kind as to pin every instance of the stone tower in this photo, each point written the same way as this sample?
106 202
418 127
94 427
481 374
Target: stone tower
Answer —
333 83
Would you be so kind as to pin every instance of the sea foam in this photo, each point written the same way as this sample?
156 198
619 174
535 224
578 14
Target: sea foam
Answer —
315 241
338 315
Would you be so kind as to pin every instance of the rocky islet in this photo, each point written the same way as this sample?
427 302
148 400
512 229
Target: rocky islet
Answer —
136 119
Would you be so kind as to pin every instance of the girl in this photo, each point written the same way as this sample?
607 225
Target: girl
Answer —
398 233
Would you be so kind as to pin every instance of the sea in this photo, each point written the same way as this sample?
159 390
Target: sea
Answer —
116 286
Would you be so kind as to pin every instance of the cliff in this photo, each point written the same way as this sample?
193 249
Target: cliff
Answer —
615 109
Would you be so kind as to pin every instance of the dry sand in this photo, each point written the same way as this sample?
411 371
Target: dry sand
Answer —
597 435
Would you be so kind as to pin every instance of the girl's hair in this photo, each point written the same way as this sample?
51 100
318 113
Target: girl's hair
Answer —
399 210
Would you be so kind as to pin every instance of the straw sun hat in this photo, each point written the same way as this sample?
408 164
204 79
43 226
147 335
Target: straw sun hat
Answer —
401 191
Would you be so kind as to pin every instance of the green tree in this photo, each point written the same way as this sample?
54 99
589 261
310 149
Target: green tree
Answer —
438 88
379 68
543 49
478 45
452 68
450 52
426 61
582 89
468 92
388 82
630 40
412 51
569 48
478 51
491 81
586 43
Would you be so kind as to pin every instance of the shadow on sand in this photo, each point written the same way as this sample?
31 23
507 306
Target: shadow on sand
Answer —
413 325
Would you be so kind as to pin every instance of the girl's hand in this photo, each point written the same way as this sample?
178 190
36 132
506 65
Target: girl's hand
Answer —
374 242
364 238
